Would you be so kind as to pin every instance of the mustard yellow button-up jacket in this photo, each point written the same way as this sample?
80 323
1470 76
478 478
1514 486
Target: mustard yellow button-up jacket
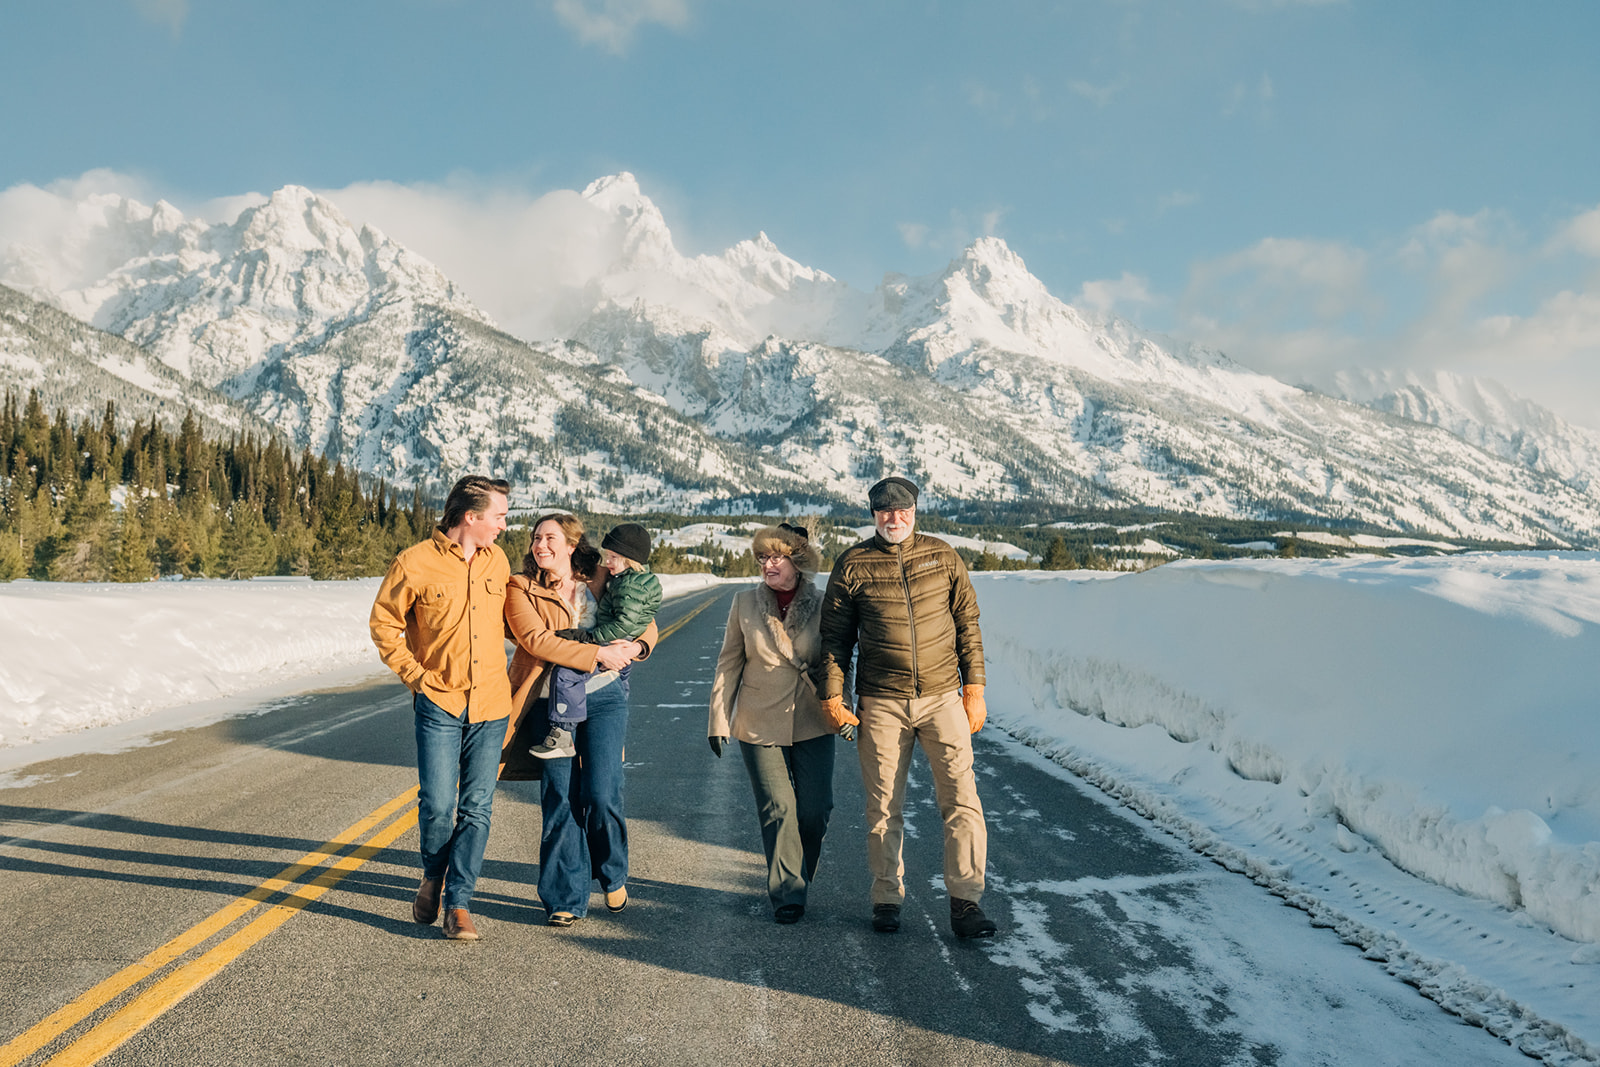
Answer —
439 623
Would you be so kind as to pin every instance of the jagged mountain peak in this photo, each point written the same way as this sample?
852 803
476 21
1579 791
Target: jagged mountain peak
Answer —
1480 411
297 221
759 261
215 301
646 239
612 190
999 277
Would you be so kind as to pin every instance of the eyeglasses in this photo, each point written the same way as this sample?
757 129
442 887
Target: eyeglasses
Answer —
799 531
764 560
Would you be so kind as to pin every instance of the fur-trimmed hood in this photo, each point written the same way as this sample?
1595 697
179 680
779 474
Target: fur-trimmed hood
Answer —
787 541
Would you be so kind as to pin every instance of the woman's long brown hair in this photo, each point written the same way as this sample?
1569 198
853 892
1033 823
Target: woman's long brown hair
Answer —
585 557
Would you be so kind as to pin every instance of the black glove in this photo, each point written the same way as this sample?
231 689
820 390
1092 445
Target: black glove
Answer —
716 744
576 634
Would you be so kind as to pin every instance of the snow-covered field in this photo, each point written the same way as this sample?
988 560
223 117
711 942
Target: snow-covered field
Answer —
1408 749
1003 549
75 656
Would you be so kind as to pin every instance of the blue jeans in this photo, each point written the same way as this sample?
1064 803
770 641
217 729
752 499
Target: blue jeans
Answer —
457 764
585 833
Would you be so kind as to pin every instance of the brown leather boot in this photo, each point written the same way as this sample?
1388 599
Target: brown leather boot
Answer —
458 925
425 908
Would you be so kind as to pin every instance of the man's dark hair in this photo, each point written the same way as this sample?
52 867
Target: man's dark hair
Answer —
472 494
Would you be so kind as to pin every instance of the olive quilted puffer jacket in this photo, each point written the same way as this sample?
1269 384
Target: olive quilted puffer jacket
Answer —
911 609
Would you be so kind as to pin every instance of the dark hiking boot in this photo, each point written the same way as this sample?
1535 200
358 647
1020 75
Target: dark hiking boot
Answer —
968 920
886 918
788 913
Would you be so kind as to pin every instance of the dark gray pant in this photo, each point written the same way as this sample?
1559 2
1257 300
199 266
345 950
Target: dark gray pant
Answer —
793 785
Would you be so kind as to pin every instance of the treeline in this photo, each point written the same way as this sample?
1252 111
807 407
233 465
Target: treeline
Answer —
102 502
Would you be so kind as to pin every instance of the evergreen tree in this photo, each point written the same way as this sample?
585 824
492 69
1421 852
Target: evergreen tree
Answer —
341 546
740 565
13 564
1058 557
194 472
132 562
295 544
248 547
84 549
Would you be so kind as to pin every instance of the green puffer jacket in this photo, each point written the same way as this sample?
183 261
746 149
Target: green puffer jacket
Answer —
626 607
911 609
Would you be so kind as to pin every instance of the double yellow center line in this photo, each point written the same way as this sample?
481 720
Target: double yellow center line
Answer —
179 983
183 980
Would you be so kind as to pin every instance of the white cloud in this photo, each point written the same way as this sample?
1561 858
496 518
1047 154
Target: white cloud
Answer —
611 24
914 234
1176 199
1099 95
523 258
170 13
1257 97
1581 234
1462 259
1109 294
68 233
1280 280
1302 310
1282 5
960 232
981 96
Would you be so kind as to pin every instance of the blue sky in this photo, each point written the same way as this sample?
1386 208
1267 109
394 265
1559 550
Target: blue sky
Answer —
1306 184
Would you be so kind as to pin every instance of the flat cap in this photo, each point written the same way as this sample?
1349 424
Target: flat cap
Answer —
891 493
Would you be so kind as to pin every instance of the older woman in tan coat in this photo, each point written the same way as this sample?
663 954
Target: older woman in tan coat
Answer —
764 698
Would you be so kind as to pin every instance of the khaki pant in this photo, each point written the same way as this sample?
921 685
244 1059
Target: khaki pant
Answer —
883 741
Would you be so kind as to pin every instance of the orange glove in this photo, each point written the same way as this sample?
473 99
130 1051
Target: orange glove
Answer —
972 702
837 715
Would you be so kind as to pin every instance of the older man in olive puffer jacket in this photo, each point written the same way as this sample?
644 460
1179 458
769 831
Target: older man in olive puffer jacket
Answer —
901 601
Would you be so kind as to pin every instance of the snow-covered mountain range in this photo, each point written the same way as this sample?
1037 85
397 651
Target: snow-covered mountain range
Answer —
723 380
76 367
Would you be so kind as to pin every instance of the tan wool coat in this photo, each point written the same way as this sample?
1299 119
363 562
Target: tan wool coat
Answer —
532 615
763 693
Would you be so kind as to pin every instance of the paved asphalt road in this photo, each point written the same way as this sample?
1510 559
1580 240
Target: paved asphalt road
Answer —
1118 947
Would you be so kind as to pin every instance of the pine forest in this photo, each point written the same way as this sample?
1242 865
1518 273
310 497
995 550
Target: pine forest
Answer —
105 502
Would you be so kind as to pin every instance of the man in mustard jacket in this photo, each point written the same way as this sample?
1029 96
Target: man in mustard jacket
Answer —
902 603
438 622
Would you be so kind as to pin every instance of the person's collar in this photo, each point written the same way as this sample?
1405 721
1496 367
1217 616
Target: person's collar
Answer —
447 546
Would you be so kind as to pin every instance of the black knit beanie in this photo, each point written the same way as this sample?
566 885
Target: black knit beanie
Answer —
630 540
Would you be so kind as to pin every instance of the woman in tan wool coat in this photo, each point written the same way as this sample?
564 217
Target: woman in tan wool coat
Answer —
764 698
